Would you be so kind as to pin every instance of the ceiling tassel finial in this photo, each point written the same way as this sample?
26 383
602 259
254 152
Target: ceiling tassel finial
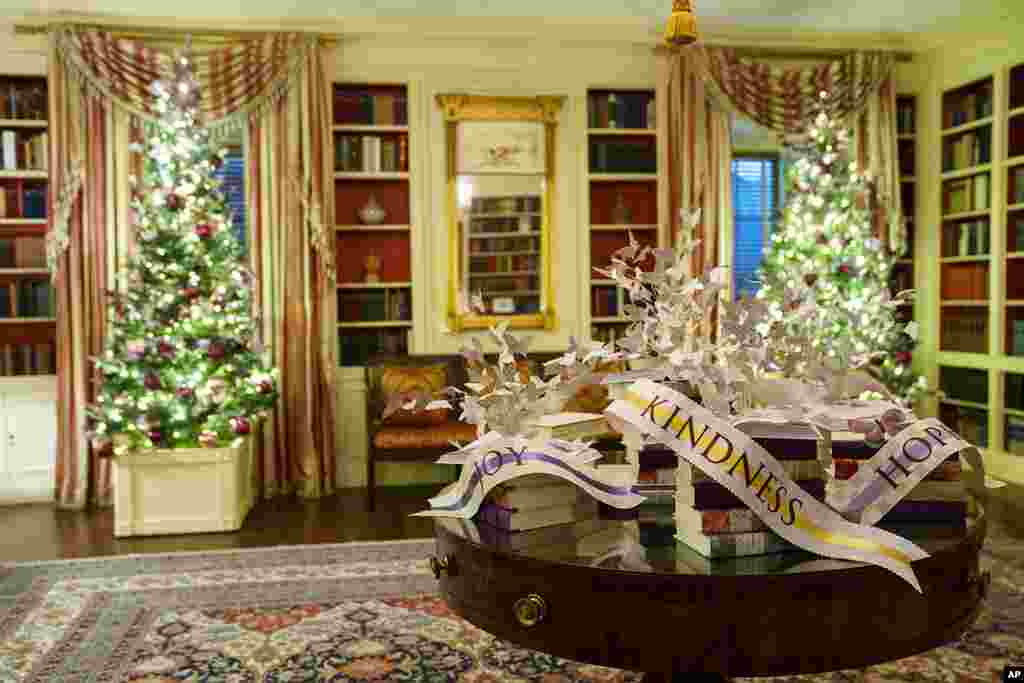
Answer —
682 25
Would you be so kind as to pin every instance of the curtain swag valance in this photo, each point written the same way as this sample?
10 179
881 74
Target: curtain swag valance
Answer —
238 82
786 99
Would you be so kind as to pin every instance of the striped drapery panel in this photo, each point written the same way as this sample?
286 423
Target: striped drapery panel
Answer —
274 89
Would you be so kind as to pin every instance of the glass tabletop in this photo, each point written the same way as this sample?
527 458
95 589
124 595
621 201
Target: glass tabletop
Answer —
650 546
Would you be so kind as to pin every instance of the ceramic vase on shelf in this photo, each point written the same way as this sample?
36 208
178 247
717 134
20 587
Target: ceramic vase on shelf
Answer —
372 269
621 214
372 212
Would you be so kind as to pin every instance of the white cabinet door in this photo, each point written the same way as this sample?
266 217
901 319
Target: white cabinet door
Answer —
29 452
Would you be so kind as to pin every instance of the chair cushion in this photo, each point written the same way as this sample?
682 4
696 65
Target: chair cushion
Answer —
405 381
434 438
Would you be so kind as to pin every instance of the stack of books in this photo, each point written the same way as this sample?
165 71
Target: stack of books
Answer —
941 498
534 502
713 522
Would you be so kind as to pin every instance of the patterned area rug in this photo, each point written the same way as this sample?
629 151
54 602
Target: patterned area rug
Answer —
353 612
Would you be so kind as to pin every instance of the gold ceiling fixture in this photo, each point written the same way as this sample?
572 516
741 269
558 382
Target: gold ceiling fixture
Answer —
682 25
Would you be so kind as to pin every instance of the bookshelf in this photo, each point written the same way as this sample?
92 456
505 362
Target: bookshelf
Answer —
622 179
373 220
902 276
27 307
966 210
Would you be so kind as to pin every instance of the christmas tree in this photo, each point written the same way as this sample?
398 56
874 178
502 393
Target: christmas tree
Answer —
183 365
825 275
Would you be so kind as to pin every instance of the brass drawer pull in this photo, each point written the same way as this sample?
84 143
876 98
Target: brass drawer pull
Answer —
444 565
530 610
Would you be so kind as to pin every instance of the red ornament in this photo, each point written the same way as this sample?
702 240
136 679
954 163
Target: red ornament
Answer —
241 425
175 202
184 392
155 435
191 293
265 386
844 269
165 349
152 381
216 350
204 230
902 357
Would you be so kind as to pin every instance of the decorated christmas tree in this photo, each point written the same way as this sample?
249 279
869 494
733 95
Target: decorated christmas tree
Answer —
825 275
183 364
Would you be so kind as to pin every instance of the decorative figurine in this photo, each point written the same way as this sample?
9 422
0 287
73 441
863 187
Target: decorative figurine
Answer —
372 268
372 213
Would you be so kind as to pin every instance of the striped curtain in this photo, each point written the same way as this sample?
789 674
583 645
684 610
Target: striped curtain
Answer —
786 99
877 149
699 168
275 89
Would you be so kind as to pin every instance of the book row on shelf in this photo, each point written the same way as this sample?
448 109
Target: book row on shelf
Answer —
371 153
967 238
970 149
963 107
488 244
604 302
906 159
1016 337
511 303
524 203
901 278
1015 435
500 284
964 384
356 347
964 281
23 99
905 117
28 359
375 304
1016 193
621 110
20 199
622 156
503 264
966 194
22 252
19 152
965 331
354 106
27 299
523 223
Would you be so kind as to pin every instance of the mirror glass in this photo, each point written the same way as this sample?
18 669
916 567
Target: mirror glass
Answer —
501 220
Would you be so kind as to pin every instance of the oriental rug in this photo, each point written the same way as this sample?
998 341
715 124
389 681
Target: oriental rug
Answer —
351 612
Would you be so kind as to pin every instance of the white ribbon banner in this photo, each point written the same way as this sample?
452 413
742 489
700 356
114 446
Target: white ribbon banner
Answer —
494 460
738 463
901 464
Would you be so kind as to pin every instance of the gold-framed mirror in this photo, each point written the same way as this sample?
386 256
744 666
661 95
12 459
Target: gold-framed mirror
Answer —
500 208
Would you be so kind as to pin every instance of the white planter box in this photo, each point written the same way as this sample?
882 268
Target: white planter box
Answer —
183 491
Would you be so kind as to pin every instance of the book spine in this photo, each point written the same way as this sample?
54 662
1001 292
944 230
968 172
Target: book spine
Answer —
923 511
735 520
710 495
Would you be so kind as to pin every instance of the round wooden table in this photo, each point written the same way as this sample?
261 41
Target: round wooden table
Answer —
624 594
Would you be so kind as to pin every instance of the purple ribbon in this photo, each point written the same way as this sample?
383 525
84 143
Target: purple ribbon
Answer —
509 458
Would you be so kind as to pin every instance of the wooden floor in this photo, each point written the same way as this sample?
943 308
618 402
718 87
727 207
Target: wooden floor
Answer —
41 532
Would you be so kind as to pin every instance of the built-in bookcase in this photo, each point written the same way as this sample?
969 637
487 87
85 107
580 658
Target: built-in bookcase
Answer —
967 119
980 250
371 162
906 122
622 177
27 307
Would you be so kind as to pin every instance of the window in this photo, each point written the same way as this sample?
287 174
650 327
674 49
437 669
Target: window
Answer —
755 196
232 175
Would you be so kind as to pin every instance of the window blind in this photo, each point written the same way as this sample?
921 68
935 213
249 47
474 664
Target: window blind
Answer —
232 175
755 204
